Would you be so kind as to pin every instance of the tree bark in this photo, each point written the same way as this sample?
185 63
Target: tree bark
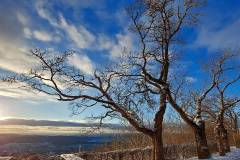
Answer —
224 134
158 151
157 139
154 149
201 142
218 137
235 131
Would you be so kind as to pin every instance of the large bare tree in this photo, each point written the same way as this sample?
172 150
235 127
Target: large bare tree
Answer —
134 89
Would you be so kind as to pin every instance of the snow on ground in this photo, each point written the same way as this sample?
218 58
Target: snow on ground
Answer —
70 157
233 155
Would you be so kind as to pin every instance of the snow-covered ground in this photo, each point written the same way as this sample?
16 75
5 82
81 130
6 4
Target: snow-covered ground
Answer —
233 155
70 157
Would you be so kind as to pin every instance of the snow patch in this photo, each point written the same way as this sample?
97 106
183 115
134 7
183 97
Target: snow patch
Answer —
198 120
233 155
70 157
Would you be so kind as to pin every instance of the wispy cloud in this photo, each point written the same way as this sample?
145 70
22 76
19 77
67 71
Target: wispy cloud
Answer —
116 47
80 36
40 23
23 19
124 44
44 13
191 79
83 38
14 58
42 36
13 47
82 62
215 38
17 91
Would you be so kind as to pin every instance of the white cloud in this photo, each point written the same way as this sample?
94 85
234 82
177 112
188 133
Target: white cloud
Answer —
14 48
22 18
44 13
225 37
83 38
124 44
122 18
57 38
42 36
15 90
14 57
82 62
39 35
80 36
104 42
27 32
190 79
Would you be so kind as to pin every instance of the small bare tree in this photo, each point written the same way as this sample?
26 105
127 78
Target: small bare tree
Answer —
219 71
233 115
228 76
189 106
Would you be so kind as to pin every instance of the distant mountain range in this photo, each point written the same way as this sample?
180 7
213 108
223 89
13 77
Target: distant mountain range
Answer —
32 122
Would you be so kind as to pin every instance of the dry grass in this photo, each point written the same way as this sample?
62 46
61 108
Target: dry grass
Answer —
235 139
178 140
171 136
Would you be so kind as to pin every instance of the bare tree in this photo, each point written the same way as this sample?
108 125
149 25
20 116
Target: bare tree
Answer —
218 69
134 89
233 115
189 108
157 34
228 76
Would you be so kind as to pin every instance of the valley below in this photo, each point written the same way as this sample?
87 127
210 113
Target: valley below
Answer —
53 139
14 144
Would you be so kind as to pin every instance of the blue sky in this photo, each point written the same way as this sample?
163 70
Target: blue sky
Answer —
98 30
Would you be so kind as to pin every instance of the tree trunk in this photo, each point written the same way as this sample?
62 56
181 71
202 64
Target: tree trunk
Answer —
236 131
153 149
201 142
234 138
158 151
225 139
221 149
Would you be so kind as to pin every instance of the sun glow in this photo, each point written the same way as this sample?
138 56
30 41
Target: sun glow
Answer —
3 117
